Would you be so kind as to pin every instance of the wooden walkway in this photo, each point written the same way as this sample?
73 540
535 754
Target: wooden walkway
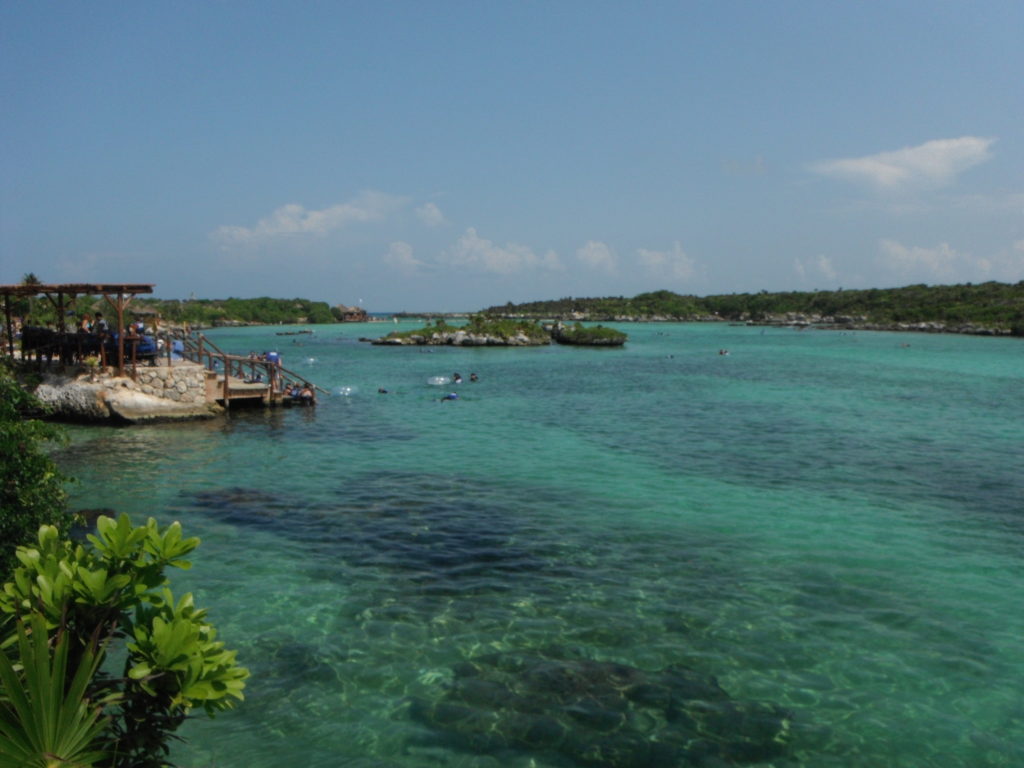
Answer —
244 380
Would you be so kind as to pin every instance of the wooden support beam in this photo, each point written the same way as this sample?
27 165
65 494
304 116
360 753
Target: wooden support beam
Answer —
10 325
120 305
227 386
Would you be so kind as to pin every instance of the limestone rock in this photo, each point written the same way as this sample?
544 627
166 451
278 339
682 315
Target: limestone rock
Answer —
92 399
135 407
78 400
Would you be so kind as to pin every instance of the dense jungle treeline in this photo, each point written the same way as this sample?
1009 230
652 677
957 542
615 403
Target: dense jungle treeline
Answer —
195 312
263 310
998 306
991 305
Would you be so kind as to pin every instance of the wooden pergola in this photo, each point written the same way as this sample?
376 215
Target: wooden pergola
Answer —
62 296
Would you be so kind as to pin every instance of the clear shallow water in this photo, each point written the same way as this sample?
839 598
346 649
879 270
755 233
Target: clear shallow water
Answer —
826 523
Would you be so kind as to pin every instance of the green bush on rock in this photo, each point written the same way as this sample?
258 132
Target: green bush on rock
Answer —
594 336
494 330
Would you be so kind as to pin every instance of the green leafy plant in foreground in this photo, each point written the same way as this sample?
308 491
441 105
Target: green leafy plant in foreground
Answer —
113 594
46 717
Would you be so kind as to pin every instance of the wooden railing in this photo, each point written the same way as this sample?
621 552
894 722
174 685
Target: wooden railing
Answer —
250 370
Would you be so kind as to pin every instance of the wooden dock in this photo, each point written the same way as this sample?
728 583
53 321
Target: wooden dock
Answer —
243 380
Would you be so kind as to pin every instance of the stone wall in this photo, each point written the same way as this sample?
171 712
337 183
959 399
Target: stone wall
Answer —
181 382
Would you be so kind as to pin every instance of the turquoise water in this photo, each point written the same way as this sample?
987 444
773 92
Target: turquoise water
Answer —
828 524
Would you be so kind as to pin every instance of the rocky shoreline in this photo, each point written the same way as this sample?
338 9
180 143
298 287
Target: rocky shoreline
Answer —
796 320
461 338
548 333
841 323
160 394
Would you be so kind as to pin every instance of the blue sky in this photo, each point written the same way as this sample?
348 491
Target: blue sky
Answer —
453 155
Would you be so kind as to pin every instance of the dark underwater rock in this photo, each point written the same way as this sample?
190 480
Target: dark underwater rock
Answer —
599 713
247 507
293 660
442 536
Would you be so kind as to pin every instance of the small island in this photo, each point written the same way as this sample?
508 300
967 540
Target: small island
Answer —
595 336
488 331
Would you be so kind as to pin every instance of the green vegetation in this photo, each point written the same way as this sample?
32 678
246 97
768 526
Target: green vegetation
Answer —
261 311
69 612
31 487
197 312
42 695
66 610
594 336
482 325
501 328
990 305
426 331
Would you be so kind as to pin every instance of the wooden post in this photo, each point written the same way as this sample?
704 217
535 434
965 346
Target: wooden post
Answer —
119 306
10 325
227 388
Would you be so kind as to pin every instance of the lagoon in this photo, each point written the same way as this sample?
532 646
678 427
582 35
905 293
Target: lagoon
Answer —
828 523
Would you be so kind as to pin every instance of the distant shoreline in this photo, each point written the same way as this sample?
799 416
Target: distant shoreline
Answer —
823 324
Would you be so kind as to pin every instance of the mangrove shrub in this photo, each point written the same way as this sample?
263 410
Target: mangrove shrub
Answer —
31 487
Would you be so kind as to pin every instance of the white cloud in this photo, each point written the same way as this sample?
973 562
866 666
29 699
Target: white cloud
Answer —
671 264
400 257
598 256
932 164
430 215
818 267
943 264
938 263
1008 264
295 220
476 252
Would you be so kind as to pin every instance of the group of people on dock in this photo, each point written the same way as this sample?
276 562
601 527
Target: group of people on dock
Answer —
91 337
